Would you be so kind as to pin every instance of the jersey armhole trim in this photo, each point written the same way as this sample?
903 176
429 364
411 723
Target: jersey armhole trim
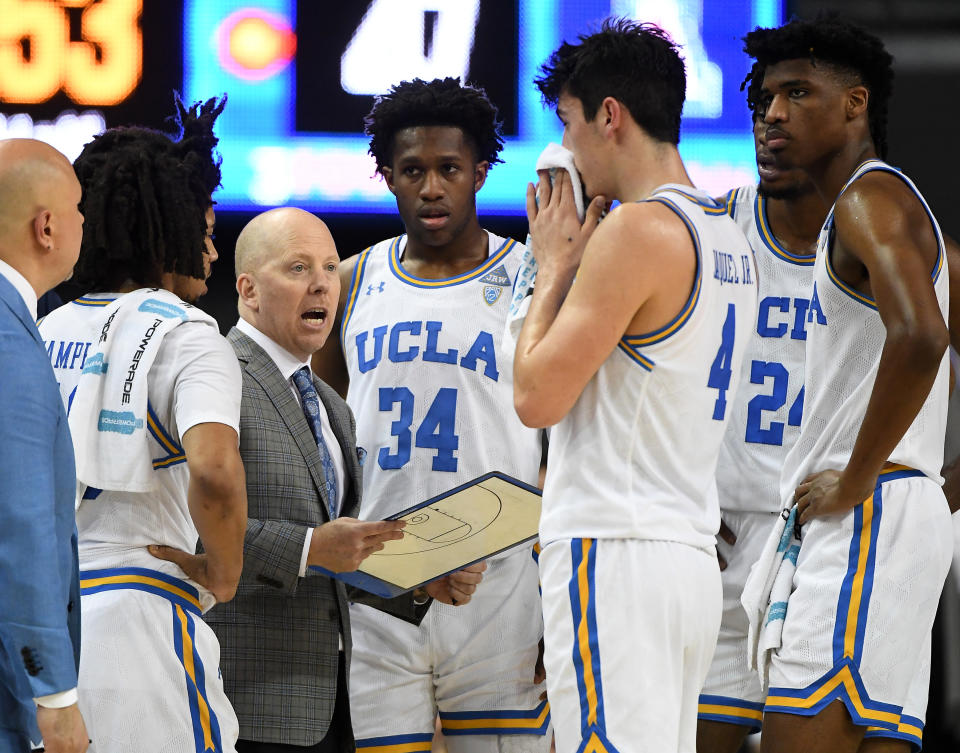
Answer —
671 327
352 294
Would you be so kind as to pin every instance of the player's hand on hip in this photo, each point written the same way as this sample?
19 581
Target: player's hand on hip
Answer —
727 536
458 587
62 730
824 493
343 544
558 237
200 569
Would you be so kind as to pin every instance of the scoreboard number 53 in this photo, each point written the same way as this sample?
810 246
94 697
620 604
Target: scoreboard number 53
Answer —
38 57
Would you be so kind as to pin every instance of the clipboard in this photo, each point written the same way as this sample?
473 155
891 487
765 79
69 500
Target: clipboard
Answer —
491 514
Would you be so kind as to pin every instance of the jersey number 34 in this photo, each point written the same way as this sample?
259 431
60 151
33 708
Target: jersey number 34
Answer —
437 431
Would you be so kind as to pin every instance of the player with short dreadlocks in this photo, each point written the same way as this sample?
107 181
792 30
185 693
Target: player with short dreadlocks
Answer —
153 396
421 318
850 670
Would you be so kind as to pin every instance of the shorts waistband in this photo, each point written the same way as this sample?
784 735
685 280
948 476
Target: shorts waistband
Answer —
141 579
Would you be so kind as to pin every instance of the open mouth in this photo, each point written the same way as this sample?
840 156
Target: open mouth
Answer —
314 315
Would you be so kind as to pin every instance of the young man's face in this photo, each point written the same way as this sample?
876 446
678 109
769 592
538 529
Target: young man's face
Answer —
582 138
435 177
776 182
803 112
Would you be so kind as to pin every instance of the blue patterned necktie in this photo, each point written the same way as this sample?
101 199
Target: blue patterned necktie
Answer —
311 409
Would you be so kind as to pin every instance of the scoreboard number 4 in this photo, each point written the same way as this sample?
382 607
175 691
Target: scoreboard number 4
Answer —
38 58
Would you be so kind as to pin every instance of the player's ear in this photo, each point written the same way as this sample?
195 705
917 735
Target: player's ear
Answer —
387 173
480 175
857 99
247 292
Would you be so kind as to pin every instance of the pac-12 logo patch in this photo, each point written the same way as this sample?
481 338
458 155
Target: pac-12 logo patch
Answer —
491 294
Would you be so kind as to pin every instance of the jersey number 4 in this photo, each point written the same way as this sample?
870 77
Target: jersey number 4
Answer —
437 431
721 371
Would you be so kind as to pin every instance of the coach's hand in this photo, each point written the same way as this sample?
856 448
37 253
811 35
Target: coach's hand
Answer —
457 588
200 569
62 730
728 536
342 544
825 493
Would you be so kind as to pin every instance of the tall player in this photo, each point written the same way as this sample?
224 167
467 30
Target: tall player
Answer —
865 470
421 320
153 394
781 218
636 364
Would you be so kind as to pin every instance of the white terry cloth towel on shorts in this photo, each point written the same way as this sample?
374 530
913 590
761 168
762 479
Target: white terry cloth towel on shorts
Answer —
109 412
553 157
767 591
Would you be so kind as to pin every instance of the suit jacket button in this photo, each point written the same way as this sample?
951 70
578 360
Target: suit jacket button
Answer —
70 605
333 615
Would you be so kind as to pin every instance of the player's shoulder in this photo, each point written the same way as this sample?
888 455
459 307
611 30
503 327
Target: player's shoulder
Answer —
878 197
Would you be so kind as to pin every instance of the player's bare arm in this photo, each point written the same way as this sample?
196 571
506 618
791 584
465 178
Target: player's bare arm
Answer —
328 362
882 226
217 498
951 472
570 331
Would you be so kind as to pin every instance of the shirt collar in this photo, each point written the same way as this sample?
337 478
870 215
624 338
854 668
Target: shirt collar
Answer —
20 284
284 360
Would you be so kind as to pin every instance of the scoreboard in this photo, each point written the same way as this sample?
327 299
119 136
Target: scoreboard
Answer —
300 76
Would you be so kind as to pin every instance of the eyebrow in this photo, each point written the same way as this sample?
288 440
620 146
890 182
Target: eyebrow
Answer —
788 84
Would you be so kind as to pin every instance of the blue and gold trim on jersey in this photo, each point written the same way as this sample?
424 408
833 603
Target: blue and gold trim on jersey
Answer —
769 239
352 293
869 166
671 327
93 302
175 454
419 743
910 730
841 683
206 727
154 582
719 708
635 355
730 202
708 205
532 722
492 261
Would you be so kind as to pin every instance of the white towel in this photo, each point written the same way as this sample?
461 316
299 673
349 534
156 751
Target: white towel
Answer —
554 157
767 591
108 416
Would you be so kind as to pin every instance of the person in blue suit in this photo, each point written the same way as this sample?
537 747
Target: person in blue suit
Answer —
40 231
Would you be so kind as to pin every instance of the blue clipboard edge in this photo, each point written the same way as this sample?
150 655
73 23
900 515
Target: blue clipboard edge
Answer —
387 590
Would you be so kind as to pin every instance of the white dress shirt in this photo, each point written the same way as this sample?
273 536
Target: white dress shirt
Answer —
288 364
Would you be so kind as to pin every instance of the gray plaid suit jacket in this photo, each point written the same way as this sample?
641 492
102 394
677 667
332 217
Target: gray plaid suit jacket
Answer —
279 635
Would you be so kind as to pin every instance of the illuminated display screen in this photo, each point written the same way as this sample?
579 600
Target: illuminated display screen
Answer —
300 77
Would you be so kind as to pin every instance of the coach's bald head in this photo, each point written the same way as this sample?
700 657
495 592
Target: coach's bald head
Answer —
287 279
40 222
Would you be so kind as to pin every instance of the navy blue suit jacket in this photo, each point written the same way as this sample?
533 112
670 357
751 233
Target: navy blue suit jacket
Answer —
39 582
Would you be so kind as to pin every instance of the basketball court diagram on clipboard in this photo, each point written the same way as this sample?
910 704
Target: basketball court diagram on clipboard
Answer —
474 521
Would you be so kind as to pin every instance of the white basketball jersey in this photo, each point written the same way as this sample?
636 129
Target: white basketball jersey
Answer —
844 339
637 454
765 417
430 385
115 527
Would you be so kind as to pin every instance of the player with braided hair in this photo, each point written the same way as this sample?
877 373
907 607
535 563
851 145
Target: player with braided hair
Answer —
852 667
420 320
152 392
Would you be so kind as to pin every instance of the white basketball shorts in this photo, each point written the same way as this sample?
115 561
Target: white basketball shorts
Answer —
149 666
474 663
629 627
859 618
732 692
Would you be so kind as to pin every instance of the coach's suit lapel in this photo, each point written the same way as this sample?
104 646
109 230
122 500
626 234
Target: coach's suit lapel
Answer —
262 368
